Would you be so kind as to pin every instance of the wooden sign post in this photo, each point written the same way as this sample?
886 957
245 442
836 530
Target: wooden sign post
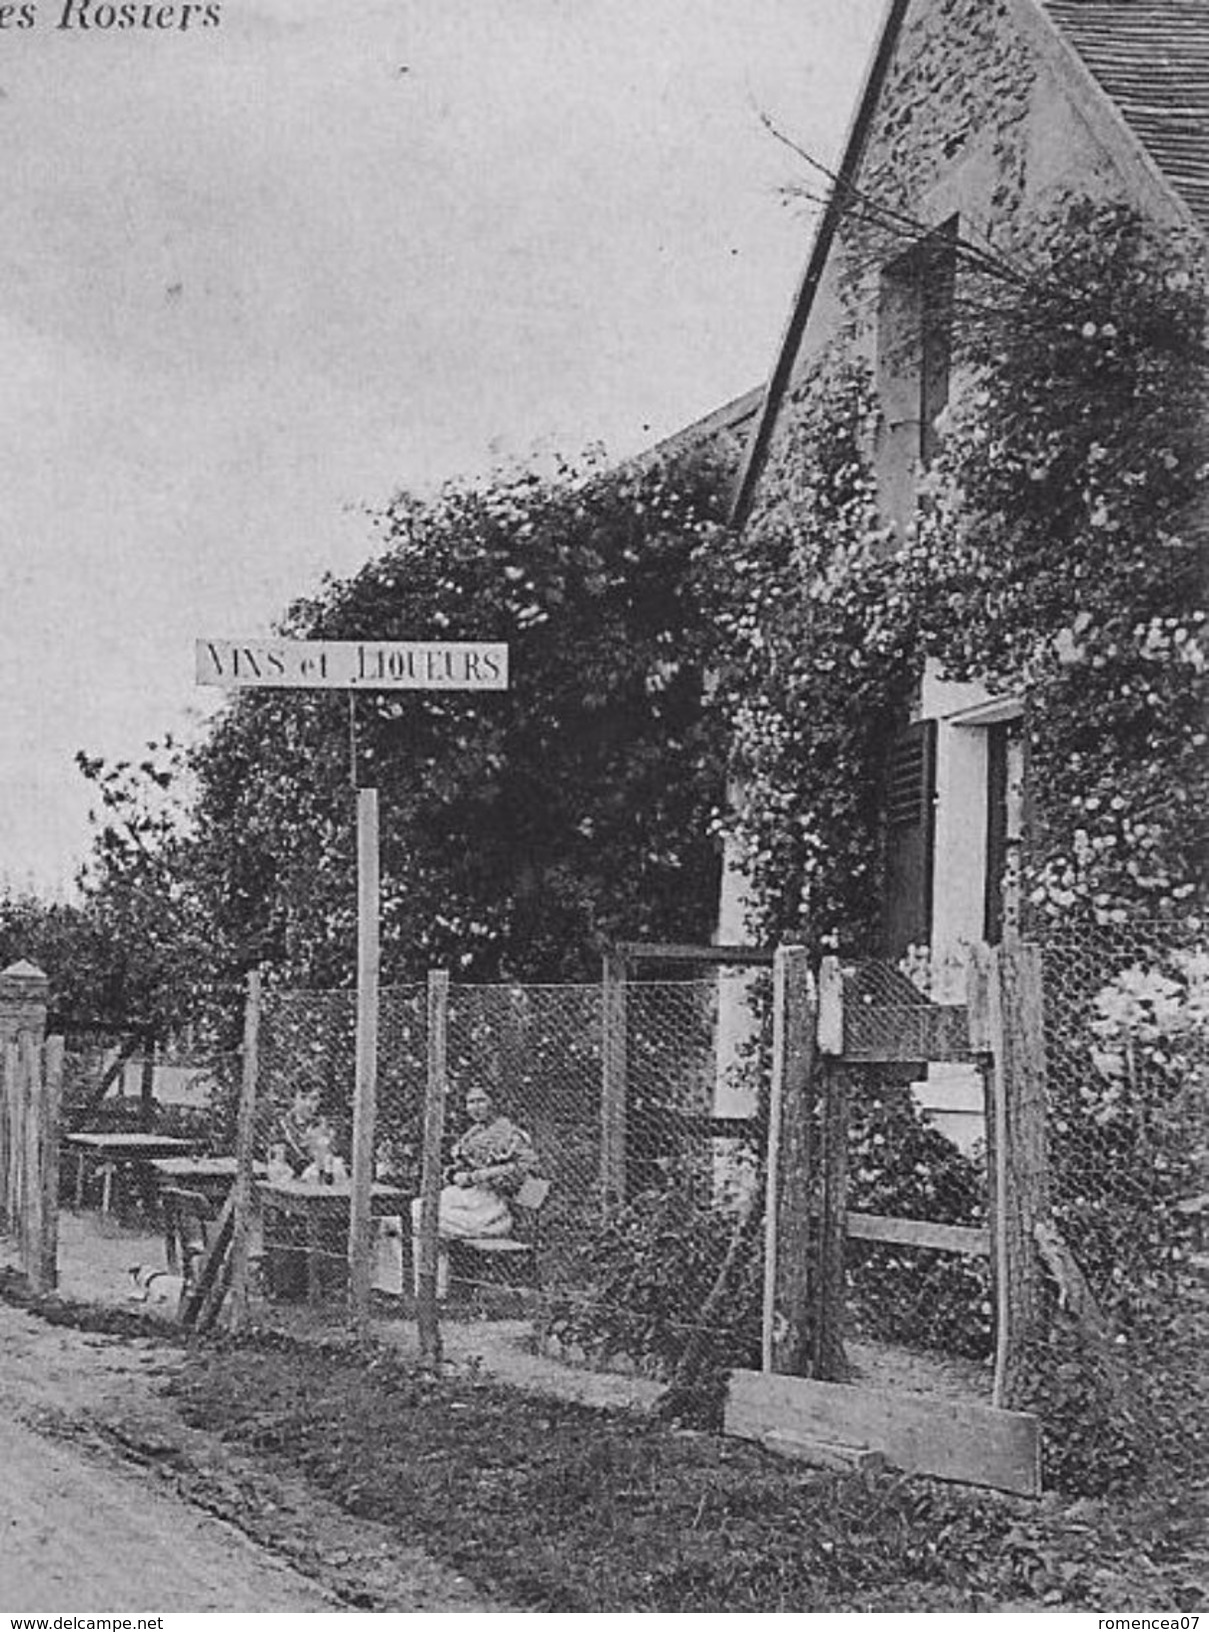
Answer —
352 666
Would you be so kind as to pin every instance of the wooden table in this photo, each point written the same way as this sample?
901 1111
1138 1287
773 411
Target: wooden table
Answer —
114 1150
319 1205
209 1176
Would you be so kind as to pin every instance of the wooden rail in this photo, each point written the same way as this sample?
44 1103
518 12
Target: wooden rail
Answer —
919 1232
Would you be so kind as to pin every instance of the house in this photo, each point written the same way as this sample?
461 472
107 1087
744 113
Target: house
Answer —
976 118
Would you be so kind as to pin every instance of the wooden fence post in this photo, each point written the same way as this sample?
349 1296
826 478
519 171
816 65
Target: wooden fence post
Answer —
365 1094
23 1001
1016 1083
828 1361
147 1082
10 1112
427 1321
29 1232
613 1080
245 1141
44 1262
5 1141
786 1313
830 1031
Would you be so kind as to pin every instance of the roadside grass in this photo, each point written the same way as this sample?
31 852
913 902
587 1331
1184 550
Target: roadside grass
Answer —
561 1507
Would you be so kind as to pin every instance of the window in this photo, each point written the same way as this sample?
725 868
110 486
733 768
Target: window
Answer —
914 362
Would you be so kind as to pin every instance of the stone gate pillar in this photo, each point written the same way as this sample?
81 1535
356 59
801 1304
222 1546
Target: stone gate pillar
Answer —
24 993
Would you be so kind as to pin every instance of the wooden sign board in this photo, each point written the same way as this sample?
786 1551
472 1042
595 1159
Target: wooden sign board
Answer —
354 665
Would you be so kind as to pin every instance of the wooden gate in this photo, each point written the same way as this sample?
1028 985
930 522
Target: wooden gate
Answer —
824 1032
30 1089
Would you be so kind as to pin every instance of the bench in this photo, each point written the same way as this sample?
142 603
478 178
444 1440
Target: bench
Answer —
510 1254
518 1249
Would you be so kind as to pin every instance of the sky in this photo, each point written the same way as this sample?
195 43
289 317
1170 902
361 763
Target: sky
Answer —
256 277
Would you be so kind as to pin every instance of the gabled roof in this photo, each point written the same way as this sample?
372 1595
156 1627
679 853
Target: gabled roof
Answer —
1150 61
732 419
1151 57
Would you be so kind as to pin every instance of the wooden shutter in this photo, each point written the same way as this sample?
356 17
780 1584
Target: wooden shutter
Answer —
997 833
910 826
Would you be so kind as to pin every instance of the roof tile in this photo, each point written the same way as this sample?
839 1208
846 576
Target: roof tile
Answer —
1152 58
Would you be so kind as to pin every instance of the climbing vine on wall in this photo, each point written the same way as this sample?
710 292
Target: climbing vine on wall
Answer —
818 622
1070 522
1055 555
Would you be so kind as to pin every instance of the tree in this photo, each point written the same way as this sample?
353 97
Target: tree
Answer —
143 952
52 935
522 830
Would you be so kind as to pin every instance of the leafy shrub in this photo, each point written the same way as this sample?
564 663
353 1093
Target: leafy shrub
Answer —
650 1271
1129 1081
1097 1437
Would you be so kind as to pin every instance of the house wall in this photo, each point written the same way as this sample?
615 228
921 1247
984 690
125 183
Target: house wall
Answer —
986 116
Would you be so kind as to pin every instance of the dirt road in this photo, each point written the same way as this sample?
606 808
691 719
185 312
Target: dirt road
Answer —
108 1503
81 1535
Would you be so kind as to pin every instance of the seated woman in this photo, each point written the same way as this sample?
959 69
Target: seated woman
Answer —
302 1142
292 1133
488 1163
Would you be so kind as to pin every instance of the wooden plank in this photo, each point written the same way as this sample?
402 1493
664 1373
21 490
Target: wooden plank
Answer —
209 1268
44 1275
827 1339
772 1166
918 1232
786 1311
33 1221
147 1087
996 1171
1022 1179
427 1323
245 1139
365 1089
16 1151
978 998
17 1125
941 1438
824 1454
613 1079
5 1138
125 1053
29 1226
680 952
219 1284
831 1007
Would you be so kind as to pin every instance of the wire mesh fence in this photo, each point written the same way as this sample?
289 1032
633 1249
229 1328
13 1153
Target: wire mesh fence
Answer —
669 1175
647 1111
1127 1046
680 1161
537 1051
302 1139
1126 1073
